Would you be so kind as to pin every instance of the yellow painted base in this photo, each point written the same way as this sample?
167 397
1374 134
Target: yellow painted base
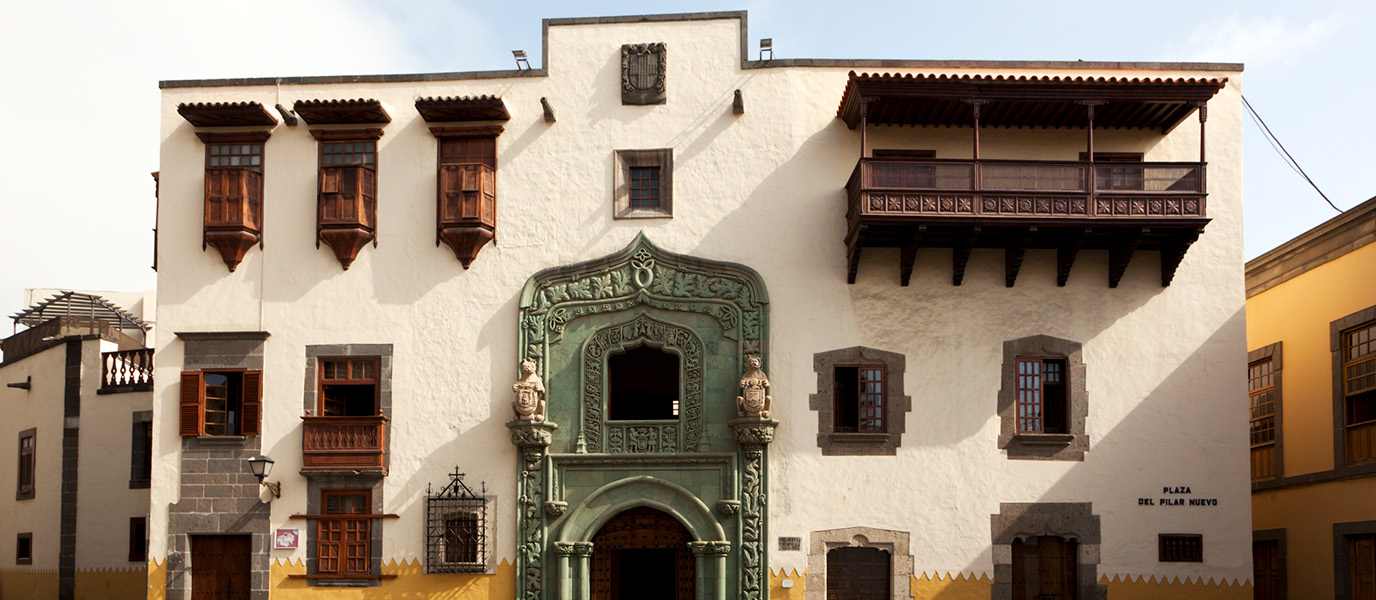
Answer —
1151 588
111 584
777 591
960 586
28 584
157 580
410 582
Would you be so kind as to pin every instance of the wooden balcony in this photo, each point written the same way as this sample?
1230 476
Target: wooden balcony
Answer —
1021 205
344 444
1361 442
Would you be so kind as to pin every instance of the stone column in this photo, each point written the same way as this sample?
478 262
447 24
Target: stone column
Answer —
574 574
711 569
532 440
754 435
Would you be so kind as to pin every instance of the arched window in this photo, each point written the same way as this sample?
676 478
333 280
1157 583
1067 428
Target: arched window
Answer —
643 385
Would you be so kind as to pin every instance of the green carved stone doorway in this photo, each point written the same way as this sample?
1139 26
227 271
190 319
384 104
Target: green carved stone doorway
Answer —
642 553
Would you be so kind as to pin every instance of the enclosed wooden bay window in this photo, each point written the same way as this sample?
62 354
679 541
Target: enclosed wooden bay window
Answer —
233 175
466 203
348 432
346 194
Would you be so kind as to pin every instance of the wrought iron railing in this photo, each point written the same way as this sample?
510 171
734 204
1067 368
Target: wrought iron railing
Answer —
126 368
344 443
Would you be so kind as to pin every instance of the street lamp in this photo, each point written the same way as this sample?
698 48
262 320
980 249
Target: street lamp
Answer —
261 466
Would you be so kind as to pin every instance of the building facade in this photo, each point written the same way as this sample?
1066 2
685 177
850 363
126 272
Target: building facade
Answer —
76 409
1311 322
658 318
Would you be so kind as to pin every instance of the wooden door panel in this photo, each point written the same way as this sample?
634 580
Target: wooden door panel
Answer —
220 567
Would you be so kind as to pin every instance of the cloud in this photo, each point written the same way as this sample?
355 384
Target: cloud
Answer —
1273 40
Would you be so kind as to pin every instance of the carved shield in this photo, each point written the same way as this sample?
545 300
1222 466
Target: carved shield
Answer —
642 74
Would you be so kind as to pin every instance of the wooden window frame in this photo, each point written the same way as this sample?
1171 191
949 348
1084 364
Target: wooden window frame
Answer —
375 381
879 406
895 407
18 542
141 451
1041 403
626 161
138 539
27 479
1358 435
192 400
1020 445
1180 547
328 519
1262 409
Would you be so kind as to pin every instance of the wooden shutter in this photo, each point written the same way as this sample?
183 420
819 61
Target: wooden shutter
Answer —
251 422
192 419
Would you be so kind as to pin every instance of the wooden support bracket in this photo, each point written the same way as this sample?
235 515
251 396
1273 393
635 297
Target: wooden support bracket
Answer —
1066 253
1173 253
853 247
908 255
1121 254
960 256
1013 255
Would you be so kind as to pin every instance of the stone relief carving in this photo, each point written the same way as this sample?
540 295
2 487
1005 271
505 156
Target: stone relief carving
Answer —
529 404
641 438
753 401
644 275
532 440
642 73
754 436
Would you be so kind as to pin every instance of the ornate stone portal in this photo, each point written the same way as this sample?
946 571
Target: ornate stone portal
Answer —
704 466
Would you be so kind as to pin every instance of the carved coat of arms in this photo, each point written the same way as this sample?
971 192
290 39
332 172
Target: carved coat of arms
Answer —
642 73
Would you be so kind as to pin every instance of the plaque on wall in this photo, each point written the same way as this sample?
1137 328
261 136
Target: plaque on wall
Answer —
642 73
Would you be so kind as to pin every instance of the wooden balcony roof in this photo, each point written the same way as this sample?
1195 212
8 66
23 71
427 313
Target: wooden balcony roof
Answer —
462 108
225 114
342 112
1022 101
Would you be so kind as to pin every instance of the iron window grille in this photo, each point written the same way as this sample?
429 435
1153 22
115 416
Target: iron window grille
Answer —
456 528
1181 547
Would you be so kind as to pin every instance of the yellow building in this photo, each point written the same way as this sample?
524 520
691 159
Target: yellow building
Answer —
1311 329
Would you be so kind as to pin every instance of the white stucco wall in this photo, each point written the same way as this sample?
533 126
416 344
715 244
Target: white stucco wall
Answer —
764 189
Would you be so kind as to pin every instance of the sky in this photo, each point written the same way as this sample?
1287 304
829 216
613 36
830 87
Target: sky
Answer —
81 89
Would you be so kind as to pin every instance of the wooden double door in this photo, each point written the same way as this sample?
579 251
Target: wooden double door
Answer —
642 554
220 567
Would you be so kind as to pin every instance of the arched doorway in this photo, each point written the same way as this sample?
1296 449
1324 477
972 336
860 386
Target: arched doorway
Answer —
642 553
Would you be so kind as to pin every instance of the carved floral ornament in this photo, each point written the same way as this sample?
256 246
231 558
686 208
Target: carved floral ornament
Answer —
642 274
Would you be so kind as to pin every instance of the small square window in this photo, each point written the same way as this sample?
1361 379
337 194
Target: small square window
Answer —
644 184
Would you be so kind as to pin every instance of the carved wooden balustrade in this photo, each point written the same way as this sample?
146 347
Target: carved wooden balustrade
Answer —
127 369
344 444
1017 205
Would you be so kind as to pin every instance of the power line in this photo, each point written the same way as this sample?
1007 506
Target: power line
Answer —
1285 154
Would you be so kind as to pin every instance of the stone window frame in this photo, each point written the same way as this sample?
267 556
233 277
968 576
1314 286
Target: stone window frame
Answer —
896 404
1073 520
896 543
1341 561
1044 446
621 185
1275 353
1277 536
488 547
1336 329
